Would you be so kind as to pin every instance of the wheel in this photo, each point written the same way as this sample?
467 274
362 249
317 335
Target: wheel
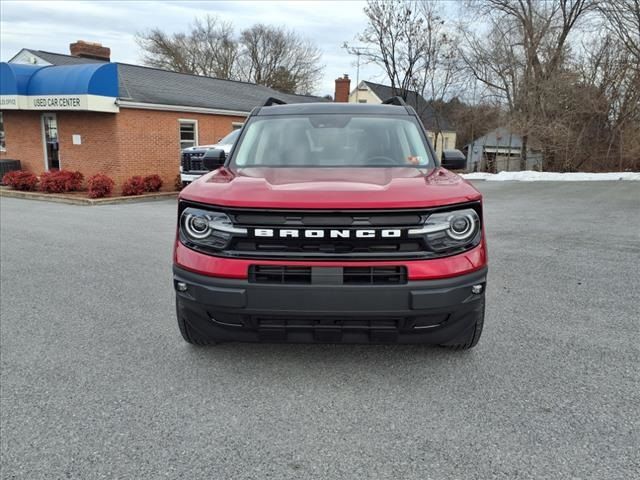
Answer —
470 337
188 333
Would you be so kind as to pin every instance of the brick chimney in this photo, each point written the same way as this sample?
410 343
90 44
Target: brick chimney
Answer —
342 89
90 50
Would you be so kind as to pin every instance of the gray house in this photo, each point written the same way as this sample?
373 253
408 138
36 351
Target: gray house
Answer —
500 150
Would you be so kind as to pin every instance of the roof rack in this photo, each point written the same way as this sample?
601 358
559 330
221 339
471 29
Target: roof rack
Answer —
273 101
395 101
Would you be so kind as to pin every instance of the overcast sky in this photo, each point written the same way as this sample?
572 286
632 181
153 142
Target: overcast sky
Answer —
52 26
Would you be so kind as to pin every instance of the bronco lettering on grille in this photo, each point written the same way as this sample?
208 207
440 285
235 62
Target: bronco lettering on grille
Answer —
326 233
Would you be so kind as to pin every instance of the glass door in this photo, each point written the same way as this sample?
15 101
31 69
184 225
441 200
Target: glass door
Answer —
50 139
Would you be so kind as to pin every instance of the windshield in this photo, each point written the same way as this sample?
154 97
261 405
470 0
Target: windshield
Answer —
332 141
230 139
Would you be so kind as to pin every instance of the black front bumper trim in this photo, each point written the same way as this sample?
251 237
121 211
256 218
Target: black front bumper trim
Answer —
426 311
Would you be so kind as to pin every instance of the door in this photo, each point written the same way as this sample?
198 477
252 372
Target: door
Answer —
50 140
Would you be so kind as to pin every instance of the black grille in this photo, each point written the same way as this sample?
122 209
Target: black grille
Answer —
279 274
192 162
323 248
332 219
374 275
348 275
338 234
348 323
319 249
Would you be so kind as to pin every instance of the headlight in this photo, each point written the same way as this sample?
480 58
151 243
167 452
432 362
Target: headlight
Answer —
206 228
453 230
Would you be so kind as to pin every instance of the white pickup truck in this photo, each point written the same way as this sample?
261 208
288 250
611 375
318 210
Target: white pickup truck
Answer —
191 166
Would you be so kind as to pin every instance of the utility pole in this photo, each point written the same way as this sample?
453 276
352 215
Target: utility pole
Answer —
358 52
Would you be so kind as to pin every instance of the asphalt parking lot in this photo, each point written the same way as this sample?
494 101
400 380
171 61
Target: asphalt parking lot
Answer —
96 381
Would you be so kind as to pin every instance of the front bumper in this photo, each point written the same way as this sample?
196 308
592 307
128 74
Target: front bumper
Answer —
426 311
190 177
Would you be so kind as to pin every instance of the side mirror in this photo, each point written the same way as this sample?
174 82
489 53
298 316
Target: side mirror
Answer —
453 160
213 159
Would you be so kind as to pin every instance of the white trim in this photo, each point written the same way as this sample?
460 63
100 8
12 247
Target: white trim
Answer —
24 56
180 108
4 133
195 130
44 140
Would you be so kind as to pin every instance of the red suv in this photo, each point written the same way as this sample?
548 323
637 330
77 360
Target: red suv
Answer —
331 223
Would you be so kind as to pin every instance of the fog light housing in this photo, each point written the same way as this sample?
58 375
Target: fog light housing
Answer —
477 289
181 286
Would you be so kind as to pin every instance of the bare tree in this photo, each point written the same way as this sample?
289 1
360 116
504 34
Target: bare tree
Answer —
280 59
209 48
409 42
262 54
397 39
624 20
525 52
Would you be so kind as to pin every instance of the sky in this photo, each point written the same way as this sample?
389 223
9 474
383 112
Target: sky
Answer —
53 25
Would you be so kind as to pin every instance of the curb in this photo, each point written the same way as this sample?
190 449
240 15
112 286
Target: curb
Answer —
60 198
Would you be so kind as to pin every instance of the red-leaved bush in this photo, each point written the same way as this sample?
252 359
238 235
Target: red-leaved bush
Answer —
99 185
152 183
60 181
20 180
133 186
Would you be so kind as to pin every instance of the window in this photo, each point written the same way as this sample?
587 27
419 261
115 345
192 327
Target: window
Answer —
230 139
362 101
188 133
237 125
446 143
2 144
332 141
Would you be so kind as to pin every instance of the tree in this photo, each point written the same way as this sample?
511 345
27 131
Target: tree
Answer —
624 21
209 48
261 54
273 56
397 40
408 41
523 57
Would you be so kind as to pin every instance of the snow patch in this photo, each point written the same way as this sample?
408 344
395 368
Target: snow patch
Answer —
529 176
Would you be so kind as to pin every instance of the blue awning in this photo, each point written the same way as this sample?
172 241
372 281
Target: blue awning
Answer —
91 86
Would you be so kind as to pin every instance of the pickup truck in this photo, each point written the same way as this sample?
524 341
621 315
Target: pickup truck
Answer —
331 223
191 166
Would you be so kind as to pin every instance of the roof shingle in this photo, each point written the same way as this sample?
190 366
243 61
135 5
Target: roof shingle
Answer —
431 119
164 87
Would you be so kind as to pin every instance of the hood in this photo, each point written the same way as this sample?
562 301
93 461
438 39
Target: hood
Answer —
223 146
325 188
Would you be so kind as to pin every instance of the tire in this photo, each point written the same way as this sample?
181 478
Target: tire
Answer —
470 337
189 334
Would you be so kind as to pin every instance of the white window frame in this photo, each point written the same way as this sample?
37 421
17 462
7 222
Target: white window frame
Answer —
4 133
193 122
44 140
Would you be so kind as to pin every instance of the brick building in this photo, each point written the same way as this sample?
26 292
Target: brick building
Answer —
83 112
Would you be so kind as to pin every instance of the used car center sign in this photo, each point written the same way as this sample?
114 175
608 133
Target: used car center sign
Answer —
62 102
95 103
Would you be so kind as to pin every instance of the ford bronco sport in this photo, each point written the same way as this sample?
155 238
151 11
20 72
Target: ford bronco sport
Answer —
331 223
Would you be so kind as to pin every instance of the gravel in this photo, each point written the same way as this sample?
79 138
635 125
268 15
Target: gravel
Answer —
96 381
